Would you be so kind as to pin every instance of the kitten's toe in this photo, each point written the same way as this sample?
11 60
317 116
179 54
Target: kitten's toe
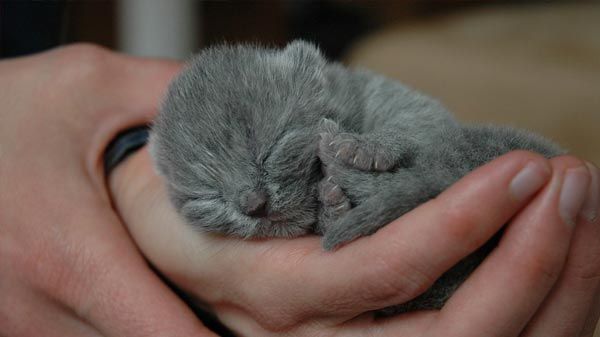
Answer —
382 161
326 152
334 203
363 158
330 193
356 151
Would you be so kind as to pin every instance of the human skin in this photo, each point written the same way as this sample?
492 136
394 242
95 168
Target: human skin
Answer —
69 267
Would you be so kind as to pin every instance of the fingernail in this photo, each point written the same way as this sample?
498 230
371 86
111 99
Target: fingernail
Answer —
592 201
531 178
573 193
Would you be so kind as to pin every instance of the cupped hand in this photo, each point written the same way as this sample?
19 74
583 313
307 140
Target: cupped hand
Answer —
67 265
541 280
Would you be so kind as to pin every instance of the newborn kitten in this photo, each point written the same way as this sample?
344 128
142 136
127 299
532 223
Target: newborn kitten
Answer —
259 142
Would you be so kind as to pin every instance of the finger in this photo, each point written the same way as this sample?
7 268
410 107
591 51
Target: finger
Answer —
566 308
501 296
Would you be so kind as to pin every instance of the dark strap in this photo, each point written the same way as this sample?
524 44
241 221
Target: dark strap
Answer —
124 144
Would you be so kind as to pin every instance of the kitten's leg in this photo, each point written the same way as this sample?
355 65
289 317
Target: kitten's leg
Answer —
375 204
487 142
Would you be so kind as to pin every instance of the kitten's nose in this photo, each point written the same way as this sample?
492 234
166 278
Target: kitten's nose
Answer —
254 203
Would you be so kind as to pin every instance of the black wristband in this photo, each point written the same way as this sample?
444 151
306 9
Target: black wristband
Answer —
124 144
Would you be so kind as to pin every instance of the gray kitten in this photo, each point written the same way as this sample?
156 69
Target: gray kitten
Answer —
259 142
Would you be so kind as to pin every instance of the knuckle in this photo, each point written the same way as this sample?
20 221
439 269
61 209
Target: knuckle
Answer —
567 161
582 269
524 155
583 266
462 228
81 63
84 53
541 267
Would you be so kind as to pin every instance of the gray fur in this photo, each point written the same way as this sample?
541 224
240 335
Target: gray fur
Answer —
259 142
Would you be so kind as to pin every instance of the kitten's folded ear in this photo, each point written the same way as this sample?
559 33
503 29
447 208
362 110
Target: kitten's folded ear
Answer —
304 53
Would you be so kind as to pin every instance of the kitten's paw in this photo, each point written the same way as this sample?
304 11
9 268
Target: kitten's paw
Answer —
334 203
355 151
330 193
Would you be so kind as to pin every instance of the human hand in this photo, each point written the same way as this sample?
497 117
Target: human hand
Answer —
541 280
67 265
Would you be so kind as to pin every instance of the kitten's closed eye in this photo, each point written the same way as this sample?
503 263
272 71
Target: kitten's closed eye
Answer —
294 155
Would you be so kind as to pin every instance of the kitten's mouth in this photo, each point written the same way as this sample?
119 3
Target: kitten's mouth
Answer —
281 223
277 221
276 217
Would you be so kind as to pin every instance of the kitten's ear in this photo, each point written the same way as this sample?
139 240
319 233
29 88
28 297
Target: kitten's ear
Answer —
304 53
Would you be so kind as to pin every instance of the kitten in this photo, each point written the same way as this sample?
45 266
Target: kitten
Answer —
259 142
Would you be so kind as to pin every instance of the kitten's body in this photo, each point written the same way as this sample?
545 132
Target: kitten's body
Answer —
257 143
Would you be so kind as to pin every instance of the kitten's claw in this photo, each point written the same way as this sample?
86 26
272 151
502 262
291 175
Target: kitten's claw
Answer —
355 151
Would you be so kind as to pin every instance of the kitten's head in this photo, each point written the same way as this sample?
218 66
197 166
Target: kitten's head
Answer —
236 139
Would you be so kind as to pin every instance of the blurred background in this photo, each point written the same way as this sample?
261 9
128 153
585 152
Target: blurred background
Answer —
530 64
